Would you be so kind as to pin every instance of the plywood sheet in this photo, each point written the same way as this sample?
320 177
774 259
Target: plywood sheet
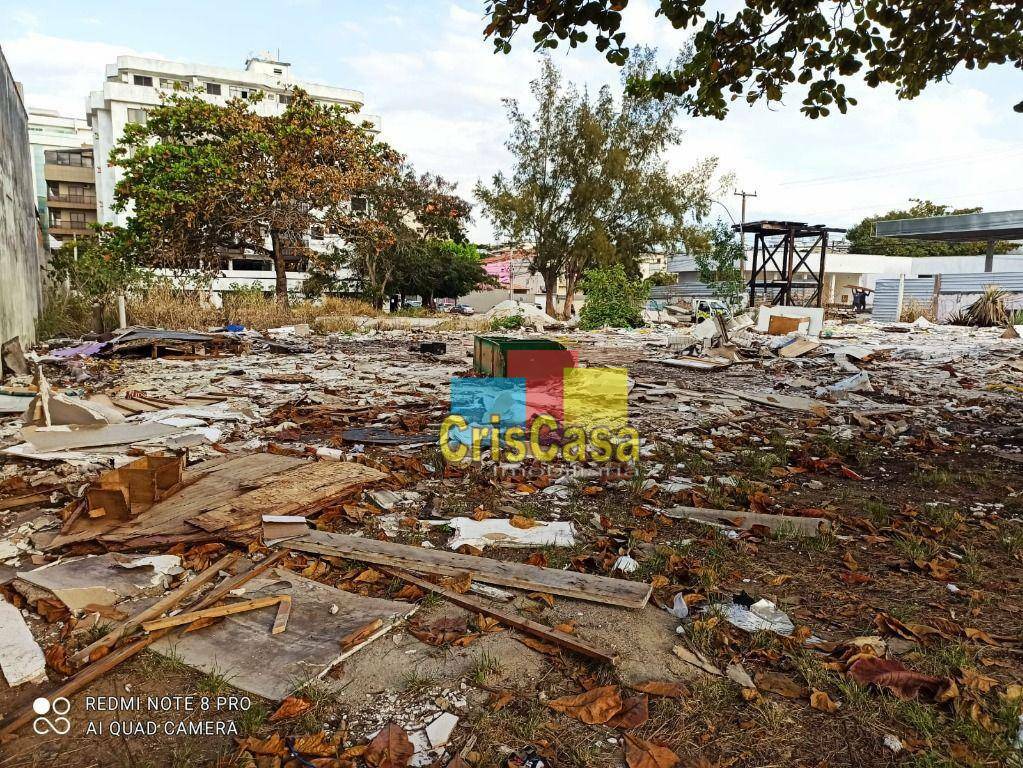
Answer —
243 648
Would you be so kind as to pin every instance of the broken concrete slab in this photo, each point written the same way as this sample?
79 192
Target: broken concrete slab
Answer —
274 666
71 436
804 526
21 658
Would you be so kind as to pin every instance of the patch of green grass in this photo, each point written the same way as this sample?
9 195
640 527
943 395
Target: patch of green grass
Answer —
414 682
943 515
931 759
1010 539
826 541
758 462
933 478
914 548
945 659
785 531
483 665
252 719
165 663
855 697
431 600
213 682
880 513
650 566
922 718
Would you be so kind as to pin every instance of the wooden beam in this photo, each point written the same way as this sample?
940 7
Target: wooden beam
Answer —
158 608
804 526
97 669
189 617
581 586
545 633
283 614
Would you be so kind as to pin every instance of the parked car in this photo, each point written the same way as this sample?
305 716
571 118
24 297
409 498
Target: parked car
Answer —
462 309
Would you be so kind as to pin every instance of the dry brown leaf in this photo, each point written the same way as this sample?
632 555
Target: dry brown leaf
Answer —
272 745
659 582
443 631
499 701
640 753
595 706
633 713
460 583
890 674
778 581
316 745
820 700
543 597
56 658
539 645
519 521
538 559
976 681
664 688
293 706
568 627
369 576
390 748
783 685
697 659
849 561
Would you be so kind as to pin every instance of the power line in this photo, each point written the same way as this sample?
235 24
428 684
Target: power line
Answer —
899 169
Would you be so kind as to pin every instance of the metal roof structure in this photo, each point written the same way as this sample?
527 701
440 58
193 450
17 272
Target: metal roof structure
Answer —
965 227
779 228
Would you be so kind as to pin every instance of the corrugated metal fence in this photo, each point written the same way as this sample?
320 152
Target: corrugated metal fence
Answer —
921 290
695 289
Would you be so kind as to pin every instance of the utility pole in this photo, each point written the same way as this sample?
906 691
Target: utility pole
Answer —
742 226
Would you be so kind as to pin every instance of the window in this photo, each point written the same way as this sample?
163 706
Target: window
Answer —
359 205
243 91
213 89
171 85
81 158
284 98
316 232
278 71
145 80
251 265
137 116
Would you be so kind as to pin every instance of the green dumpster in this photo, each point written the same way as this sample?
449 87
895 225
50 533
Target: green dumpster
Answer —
490 353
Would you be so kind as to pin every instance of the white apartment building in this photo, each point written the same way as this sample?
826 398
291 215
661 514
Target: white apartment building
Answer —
63 176
135 84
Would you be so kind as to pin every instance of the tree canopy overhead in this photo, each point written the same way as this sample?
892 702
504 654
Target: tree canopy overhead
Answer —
862 240
200 178
768 46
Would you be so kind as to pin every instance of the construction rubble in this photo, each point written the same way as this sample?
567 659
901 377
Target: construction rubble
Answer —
816 560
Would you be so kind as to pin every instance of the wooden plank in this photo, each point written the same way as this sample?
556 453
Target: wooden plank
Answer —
158 608
99 668
299 491
283 614
211 613
804 526
545 633
23 501
582 586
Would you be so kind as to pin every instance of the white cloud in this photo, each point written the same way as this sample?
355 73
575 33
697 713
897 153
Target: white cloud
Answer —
59 73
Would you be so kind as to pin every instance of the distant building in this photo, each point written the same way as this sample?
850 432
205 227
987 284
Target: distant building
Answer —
63 174
135 85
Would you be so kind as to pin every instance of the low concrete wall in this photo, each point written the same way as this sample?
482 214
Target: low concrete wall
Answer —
21 253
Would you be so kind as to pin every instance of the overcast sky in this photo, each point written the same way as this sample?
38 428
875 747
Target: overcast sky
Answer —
427 71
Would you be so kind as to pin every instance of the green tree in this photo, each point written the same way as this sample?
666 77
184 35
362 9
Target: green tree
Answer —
96 268
442 269
767 46
862 240
590 185
661 278
404 211
719 263
200 178
612 299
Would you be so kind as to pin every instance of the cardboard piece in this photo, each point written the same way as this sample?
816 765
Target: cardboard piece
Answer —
103 579
815 315
274 666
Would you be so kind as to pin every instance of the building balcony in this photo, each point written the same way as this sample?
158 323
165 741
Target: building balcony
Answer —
76 173
70 227
71 201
